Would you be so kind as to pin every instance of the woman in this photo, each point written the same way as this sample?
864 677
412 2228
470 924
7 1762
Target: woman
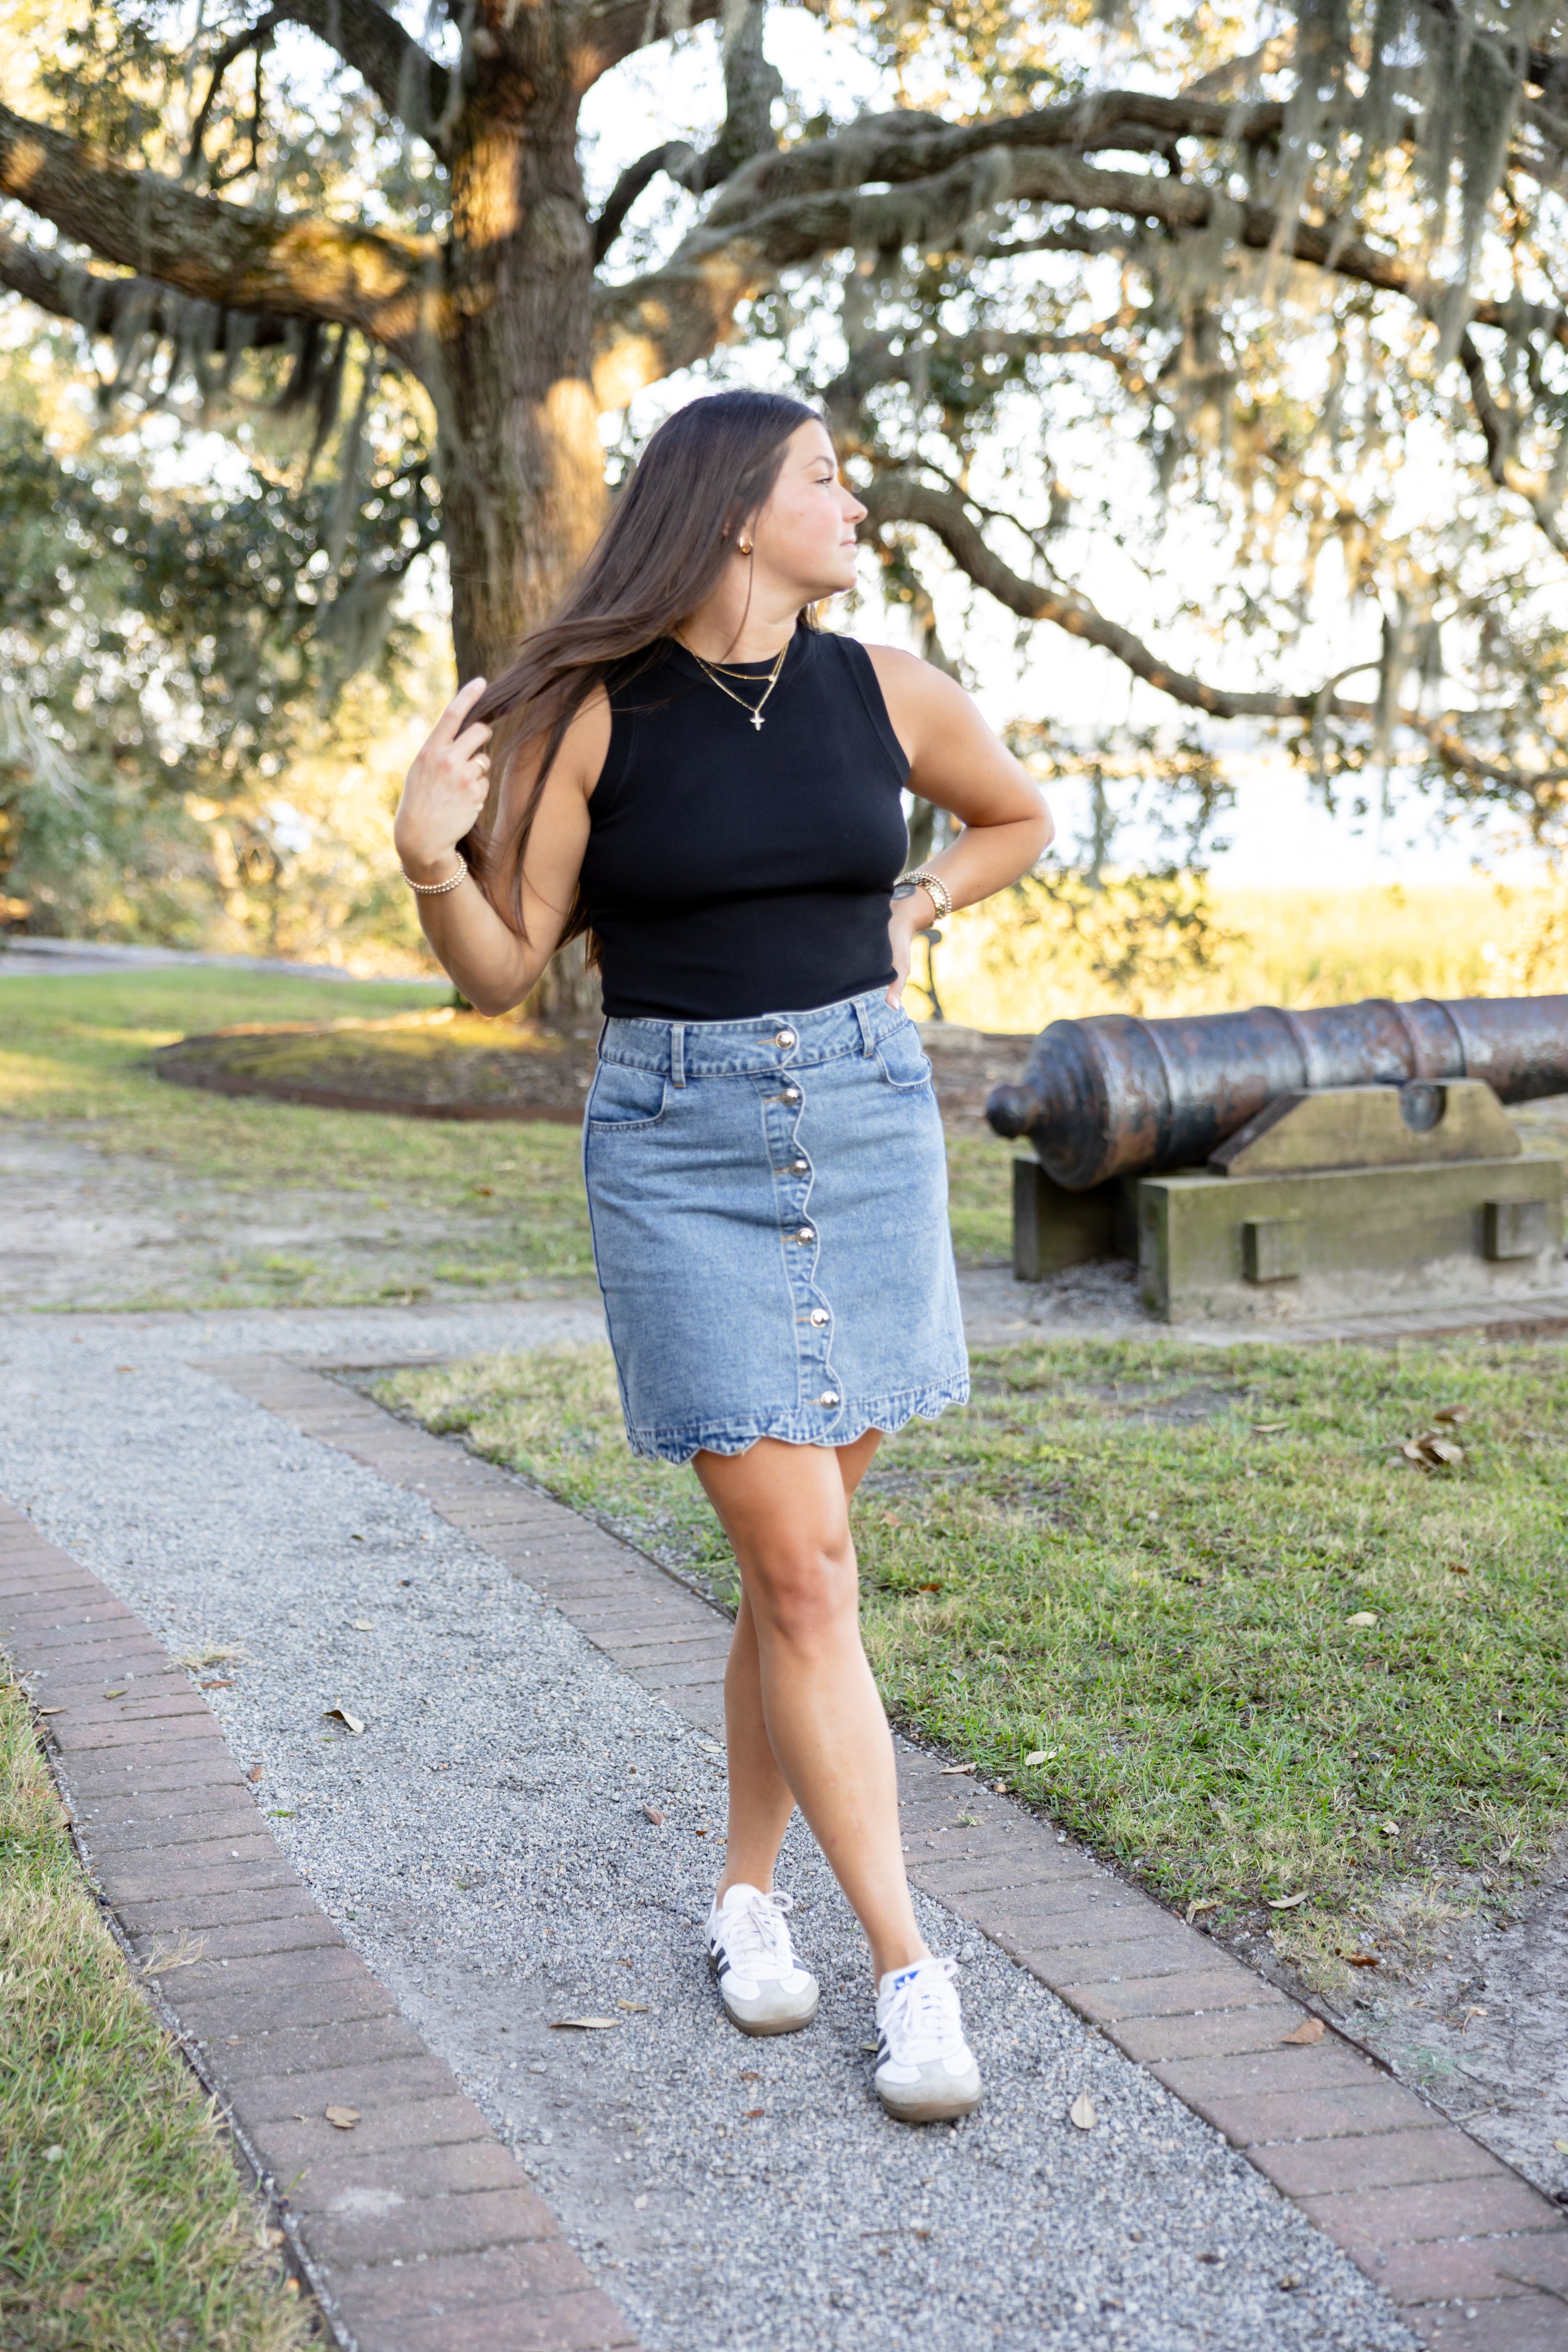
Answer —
685 766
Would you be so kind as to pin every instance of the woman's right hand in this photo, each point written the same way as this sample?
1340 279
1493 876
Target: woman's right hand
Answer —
444 791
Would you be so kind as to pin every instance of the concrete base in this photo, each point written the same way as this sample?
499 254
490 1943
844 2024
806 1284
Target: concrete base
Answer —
1287 1249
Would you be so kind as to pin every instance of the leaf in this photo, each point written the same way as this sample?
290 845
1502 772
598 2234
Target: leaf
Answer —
1362 1617
255 1772
639 2008
1287 1902
1453 1413
1041 1756
341 1714
364 1625
585 2025
117 1692
1270 1428
1446 1449
1209 1903
1311 2029
948 1769
1363 1959
1389 1829
752 2113
1081 2112
219 1682
1457 1567
1561 2146
342 2118
51 1710
653 1815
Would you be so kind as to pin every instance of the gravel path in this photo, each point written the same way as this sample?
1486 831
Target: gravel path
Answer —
485 1845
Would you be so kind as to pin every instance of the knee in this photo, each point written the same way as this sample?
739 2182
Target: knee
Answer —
802 1595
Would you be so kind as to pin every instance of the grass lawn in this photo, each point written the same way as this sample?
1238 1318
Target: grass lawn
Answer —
1192 1602
489 1207
125 2226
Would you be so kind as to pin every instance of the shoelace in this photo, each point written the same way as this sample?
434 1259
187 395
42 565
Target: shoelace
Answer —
921 2016
755 1930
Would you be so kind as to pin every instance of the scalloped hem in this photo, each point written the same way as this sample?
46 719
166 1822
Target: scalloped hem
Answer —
738 1434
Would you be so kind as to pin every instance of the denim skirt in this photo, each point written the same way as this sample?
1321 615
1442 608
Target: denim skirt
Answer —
769 1207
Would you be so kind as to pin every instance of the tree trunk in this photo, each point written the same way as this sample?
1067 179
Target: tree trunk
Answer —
522 468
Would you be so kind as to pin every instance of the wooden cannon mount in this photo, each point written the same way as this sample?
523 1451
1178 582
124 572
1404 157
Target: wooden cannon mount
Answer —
1395 1190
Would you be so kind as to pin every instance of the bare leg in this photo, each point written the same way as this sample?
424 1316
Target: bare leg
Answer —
761 1799
798 1671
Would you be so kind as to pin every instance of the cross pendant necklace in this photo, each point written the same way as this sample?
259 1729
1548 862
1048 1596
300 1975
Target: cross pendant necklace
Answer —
752 711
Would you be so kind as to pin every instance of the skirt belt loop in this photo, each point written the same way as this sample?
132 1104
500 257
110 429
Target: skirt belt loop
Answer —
678 1053
867 1042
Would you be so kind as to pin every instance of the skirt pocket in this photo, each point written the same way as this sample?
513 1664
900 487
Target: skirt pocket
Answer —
622 1097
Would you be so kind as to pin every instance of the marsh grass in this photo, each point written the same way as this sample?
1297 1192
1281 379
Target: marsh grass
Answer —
1138 1562
125 2226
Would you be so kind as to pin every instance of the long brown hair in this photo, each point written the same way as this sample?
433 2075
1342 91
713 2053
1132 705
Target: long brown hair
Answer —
702 473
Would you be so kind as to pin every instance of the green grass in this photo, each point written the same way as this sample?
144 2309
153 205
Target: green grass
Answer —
491 1207
505 1200
1136 1563
125 2226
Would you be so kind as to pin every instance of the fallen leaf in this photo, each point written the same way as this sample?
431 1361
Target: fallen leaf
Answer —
1457 1567
639 2008
749 2074
364 1625
584 2024
342 2118
1081 2112
255 1772
1468 2015
999 1788
702 1832
1561 2146
655 1816
1452 1413
485 1191
1362 1617
219 1682
1363 1959
117 1692
1209 1903
948 1769
1285 1902
928 1588
341 1714
752 2113
1041 1756
1446 1449
865 2045
1270 1428
1311 2029
53 2155
1389 1829
51 1710
73 2296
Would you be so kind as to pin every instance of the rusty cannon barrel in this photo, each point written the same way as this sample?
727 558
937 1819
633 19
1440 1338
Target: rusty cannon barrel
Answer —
1114 1096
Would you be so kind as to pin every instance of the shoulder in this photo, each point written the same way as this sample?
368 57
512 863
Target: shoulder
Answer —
919 696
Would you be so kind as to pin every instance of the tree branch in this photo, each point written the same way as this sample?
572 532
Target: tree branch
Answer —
113 306
1501 464
603 32
676 314
676 157
288 264
411 86
898 498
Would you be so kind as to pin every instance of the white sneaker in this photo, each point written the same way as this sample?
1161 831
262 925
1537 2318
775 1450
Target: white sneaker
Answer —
925 2069
750 1951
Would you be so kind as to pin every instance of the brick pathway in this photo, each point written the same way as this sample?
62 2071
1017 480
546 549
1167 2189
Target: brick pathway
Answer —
416 2228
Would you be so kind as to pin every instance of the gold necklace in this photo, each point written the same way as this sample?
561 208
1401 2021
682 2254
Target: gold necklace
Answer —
753 711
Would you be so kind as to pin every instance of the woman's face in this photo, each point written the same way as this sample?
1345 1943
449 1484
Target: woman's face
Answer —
804 535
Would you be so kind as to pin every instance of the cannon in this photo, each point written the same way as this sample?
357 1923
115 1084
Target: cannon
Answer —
1390 1175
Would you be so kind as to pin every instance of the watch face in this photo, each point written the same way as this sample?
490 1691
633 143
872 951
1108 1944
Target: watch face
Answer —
904 889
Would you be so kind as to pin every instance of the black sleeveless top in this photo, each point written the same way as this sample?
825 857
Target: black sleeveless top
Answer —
731 872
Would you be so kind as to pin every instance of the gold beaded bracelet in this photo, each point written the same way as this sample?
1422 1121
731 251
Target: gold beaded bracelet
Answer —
436 889
940 896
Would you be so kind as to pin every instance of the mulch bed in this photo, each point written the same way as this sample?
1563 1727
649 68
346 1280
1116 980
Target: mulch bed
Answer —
453 1065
